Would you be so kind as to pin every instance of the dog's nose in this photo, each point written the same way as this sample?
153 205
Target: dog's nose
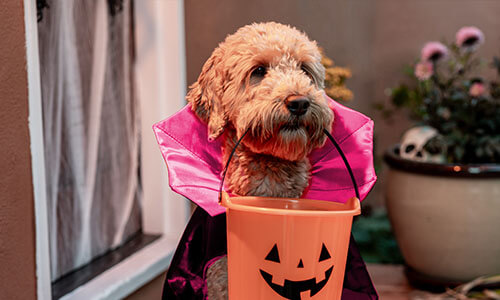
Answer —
297 105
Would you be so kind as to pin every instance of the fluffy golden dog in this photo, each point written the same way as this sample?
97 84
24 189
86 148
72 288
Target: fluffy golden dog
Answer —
266 80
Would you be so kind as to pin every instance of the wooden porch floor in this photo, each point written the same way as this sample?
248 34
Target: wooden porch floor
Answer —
390 281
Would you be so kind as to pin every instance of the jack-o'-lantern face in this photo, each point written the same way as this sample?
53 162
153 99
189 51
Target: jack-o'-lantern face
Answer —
291 289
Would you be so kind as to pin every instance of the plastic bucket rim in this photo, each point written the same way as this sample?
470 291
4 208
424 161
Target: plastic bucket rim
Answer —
228 204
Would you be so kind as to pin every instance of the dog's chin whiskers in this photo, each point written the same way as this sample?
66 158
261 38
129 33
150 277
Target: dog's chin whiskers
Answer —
290 127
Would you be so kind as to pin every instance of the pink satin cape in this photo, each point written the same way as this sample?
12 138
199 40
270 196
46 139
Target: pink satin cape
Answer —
195 167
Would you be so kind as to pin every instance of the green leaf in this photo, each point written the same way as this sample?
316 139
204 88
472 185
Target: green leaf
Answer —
459 153
400 96
409 70
496 64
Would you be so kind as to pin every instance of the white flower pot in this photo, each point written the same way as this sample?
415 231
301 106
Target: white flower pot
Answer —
446 218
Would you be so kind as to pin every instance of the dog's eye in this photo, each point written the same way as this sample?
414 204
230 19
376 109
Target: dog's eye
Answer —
305 70
260 71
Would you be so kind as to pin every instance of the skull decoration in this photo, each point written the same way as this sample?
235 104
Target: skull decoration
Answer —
413 145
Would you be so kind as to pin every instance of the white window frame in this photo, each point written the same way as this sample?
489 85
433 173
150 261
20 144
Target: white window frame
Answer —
161 87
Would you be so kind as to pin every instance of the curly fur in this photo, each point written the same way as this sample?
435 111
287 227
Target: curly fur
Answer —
231 98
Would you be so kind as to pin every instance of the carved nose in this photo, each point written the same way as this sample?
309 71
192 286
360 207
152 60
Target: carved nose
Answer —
297 105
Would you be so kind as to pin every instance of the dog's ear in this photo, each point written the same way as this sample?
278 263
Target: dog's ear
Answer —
205 95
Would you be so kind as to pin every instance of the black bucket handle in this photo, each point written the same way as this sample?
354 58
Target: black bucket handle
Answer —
330 137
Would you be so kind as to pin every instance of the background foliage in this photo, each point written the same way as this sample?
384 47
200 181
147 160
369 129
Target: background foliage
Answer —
463 106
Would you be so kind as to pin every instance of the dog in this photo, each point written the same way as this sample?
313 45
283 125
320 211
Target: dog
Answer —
266 82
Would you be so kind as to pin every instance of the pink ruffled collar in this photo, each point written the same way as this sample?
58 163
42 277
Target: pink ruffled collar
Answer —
195 167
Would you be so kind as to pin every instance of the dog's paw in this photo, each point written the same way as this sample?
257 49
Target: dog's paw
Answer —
217 280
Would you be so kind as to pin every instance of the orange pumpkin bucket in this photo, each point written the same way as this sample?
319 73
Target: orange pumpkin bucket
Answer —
282 248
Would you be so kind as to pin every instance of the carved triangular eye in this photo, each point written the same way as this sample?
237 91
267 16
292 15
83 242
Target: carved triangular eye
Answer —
324 254
301 264
273 255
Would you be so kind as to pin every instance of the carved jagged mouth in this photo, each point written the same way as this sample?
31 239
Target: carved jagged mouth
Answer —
292 289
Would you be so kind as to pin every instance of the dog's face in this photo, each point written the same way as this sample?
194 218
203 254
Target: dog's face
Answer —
267 78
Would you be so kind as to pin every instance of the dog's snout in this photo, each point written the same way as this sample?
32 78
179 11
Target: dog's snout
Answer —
297 105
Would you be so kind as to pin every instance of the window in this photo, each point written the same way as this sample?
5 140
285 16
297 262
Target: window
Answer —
148 204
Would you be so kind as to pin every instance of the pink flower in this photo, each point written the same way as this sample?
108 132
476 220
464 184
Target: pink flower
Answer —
434 51
476 89
424 70
469 38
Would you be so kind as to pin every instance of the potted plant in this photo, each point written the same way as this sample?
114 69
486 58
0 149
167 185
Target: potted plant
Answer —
443 182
